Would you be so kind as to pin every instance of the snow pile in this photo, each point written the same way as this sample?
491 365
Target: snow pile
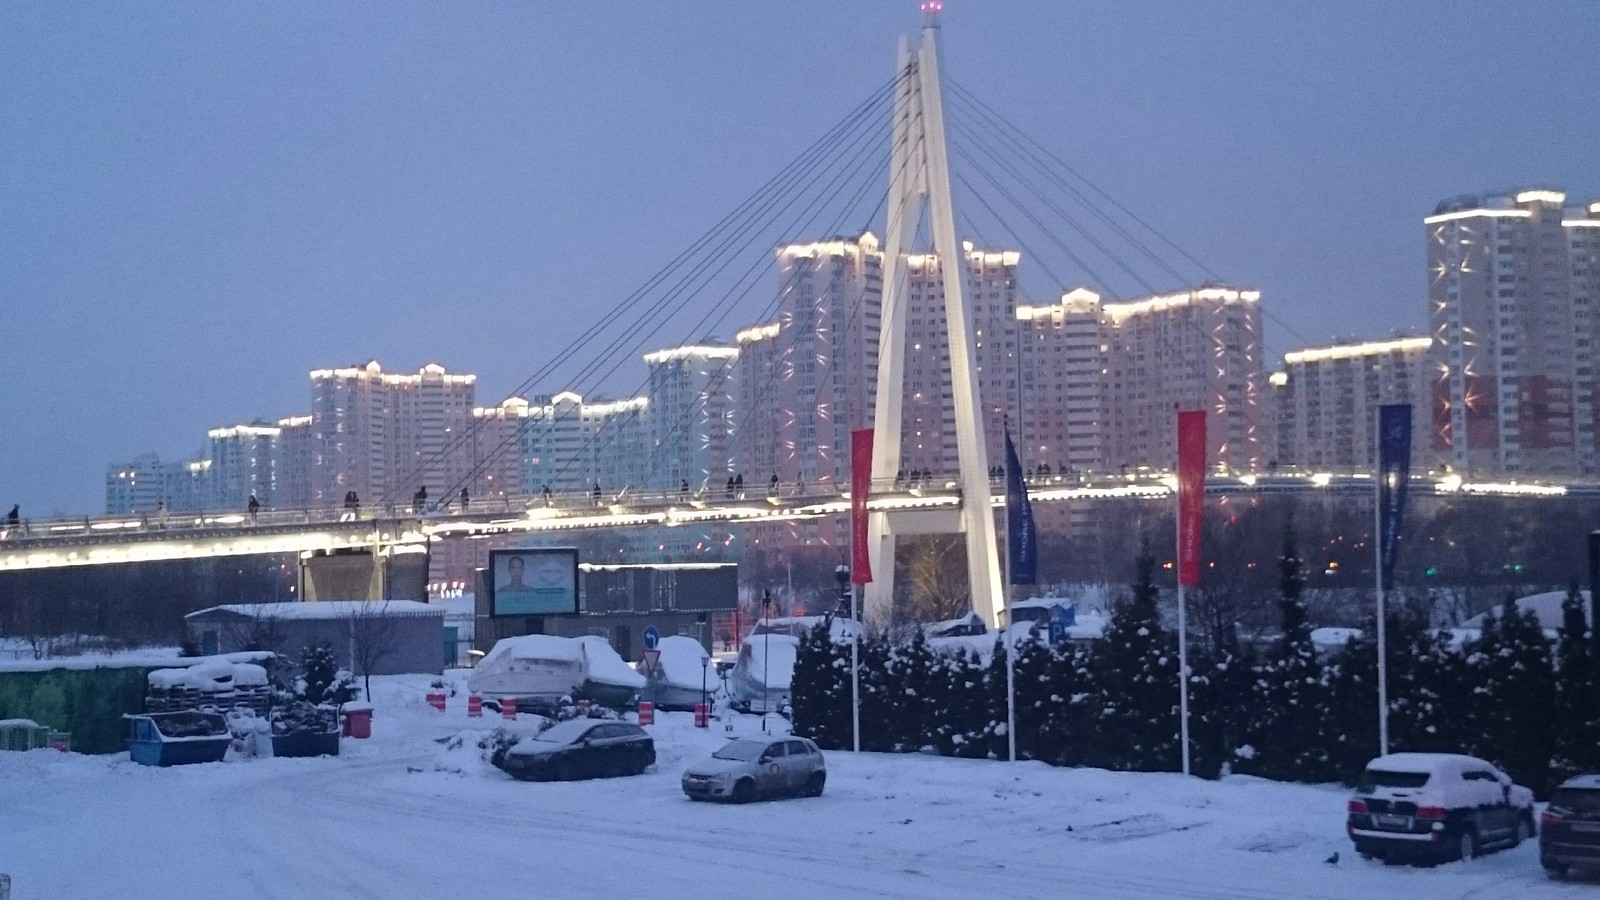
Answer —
214 675
606 665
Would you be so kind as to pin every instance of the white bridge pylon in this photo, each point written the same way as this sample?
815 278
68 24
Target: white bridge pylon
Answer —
919 173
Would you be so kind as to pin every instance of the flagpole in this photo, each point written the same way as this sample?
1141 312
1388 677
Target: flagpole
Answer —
1010 649
1183 674
1377 568
1019 530
855 669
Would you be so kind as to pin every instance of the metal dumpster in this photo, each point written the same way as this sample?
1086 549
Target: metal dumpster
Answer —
178 738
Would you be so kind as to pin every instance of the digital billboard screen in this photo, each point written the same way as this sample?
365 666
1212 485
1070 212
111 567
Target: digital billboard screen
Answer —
533 582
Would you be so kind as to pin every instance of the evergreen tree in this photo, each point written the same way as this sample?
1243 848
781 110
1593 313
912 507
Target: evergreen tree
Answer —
911 665
1351 738
1065 734
1136 681
819 690
1033 696
321 680
1288 695
1510 670
1576 741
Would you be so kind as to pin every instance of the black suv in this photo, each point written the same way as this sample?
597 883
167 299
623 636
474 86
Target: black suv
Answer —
1569 830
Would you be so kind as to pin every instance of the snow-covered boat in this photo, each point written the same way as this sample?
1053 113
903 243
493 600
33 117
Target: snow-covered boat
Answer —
761 677
683 674
608 680
536 669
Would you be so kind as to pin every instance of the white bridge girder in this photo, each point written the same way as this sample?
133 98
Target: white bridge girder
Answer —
919 173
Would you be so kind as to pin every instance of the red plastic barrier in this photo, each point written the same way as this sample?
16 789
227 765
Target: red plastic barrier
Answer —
647 712
702 716
436 700
508 707
474 706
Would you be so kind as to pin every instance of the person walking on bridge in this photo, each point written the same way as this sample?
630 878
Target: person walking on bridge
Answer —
255 507
463 499
419 500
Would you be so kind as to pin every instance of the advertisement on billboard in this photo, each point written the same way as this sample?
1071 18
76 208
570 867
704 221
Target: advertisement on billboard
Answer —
533 582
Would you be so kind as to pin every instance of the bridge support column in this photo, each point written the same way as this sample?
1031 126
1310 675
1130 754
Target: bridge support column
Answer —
920 173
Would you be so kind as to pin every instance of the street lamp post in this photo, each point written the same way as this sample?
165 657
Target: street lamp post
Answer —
766 659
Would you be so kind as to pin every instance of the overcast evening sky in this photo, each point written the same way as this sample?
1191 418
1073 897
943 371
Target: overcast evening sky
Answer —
201 202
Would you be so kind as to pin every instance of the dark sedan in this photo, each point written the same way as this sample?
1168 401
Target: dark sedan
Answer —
579 748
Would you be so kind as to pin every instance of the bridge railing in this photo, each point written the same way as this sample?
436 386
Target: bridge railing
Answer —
797 492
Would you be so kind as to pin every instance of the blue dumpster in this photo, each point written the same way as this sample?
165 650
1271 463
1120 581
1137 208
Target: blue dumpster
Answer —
178 738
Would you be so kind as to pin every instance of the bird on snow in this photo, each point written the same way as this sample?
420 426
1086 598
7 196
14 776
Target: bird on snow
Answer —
1333 860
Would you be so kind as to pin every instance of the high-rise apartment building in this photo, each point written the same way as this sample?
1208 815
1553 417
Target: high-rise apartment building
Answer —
928 435
1063 415
496 451
570 445
1325 400
1195 349
691 415
1511 304
145 485
805 381
294 463
384 435
244 465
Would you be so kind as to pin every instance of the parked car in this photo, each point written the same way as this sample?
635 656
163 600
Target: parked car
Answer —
746 769
1569 830
579 748
1436 807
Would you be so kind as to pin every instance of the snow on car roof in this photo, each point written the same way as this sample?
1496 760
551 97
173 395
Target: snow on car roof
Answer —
1584 782
566 732
1422 763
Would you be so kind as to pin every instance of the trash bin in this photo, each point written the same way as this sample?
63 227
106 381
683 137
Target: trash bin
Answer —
357 720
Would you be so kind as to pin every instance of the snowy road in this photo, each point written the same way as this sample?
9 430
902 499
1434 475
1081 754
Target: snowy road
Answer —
386 821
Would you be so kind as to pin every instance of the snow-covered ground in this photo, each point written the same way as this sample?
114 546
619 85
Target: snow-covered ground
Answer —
401 816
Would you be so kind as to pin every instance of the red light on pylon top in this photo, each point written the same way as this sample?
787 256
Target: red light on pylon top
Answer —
930 13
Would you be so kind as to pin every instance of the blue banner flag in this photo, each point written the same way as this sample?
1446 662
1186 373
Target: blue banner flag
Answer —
1022 546
1394 473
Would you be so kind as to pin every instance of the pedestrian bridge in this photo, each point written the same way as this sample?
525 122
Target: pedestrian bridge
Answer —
930 503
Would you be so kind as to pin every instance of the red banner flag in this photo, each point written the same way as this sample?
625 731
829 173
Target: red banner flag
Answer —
860 486
1191 492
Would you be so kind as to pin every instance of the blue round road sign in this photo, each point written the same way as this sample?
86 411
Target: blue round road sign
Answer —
652 637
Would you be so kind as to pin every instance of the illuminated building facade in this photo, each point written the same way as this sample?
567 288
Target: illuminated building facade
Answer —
1511 296
570 445
928 437
1195 349
1325 400
1064 415
806 380
384 436
690 416
243 464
